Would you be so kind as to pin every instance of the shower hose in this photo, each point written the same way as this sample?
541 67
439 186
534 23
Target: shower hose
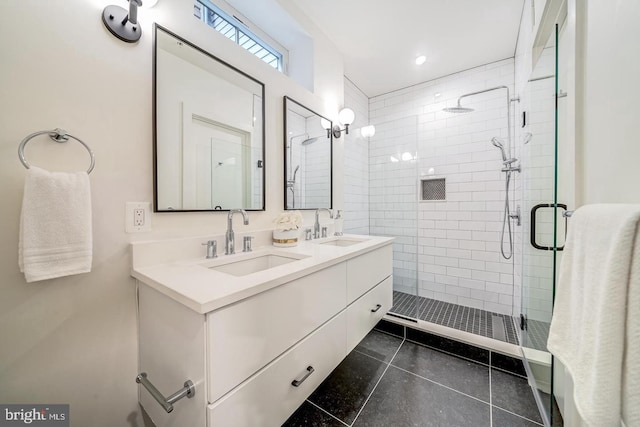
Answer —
506 220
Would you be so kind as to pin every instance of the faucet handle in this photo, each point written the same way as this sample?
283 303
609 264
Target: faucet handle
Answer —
212 248
324 231
307 233
246 243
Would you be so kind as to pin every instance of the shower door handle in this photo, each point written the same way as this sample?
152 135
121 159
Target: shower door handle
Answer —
532 234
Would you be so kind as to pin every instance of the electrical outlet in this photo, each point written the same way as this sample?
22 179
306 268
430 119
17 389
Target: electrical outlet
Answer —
137 217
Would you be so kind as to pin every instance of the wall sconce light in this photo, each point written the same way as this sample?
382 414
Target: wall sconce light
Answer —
368 131
346 116
122 23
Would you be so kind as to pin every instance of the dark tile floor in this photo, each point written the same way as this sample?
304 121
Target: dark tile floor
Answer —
389 380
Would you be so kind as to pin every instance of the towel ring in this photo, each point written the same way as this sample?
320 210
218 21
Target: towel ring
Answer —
57 135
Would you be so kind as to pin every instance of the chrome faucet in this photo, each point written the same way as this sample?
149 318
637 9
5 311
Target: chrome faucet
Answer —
229 242
316 226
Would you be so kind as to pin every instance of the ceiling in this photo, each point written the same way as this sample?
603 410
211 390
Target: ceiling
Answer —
380 39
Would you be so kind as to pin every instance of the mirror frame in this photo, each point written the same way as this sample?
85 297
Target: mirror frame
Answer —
287 99
157 27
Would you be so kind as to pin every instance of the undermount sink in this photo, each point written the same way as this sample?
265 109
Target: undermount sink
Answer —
342 241
245 264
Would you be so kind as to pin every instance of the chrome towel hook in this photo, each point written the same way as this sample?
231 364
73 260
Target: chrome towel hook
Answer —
57 135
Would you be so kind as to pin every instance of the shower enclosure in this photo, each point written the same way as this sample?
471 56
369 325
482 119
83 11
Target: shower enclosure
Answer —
471 201
442 184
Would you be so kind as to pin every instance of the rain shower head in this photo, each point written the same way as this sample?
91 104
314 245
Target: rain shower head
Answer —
309 141
306 135
497 142
458 109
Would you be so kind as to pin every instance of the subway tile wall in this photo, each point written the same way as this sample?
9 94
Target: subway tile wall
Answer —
458 240
317 160
356 164
295 190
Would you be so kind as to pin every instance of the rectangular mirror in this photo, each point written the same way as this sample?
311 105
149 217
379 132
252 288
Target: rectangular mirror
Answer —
208 130
307 158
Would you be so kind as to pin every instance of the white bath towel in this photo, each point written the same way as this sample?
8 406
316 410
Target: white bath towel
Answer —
55 225
595 330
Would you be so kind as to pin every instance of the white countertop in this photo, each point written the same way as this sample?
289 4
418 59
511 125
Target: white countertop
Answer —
191 282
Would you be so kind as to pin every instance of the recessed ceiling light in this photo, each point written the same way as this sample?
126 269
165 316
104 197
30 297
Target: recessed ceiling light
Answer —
421 60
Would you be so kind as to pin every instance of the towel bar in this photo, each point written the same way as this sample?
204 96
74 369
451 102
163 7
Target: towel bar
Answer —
57 135
188 390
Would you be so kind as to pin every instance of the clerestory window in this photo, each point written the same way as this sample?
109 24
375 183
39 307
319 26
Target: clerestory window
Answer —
234 29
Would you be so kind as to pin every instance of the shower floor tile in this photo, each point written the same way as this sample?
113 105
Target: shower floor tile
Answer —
537 334
389 381
468 319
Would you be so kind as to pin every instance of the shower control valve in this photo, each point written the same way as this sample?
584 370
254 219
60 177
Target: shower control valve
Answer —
509 168
516 216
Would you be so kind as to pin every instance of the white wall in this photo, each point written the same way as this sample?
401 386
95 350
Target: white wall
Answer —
608 102
187 90
459 257
602 83
74 339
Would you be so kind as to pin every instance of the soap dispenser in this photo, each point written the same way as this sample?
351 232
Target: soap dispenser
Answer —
338 222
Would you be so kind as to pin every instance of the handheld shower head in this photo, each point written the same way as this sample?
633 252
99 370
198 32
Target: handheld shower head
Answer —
295 172
497 142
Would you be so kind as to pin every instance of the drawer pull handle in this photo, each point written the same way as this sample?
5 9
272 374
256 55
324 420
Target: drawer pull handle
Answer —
296 383
373 310
166 402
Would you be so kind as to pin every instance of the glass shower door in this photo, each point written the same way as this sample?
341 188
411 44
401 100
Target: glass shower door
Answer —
393 205
543 222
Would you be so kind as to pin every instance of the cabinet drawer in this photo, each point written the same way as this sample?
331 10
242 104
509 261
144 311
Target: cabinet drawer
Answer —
360 317
244 337
366 271
269 398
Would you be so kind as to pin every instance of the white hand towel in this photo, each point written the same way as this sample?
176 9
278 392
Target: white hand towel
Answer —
595 329
55 225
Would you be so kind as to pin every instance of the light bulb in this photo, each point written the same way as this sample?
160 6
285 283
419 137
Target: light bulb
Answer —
326 124
368 131
148 4
406 156
393 159
346 116
421 60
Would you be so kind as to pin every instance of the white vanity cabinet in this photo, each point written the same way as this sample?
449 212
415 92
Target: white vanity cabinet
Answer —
248 335
255 360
